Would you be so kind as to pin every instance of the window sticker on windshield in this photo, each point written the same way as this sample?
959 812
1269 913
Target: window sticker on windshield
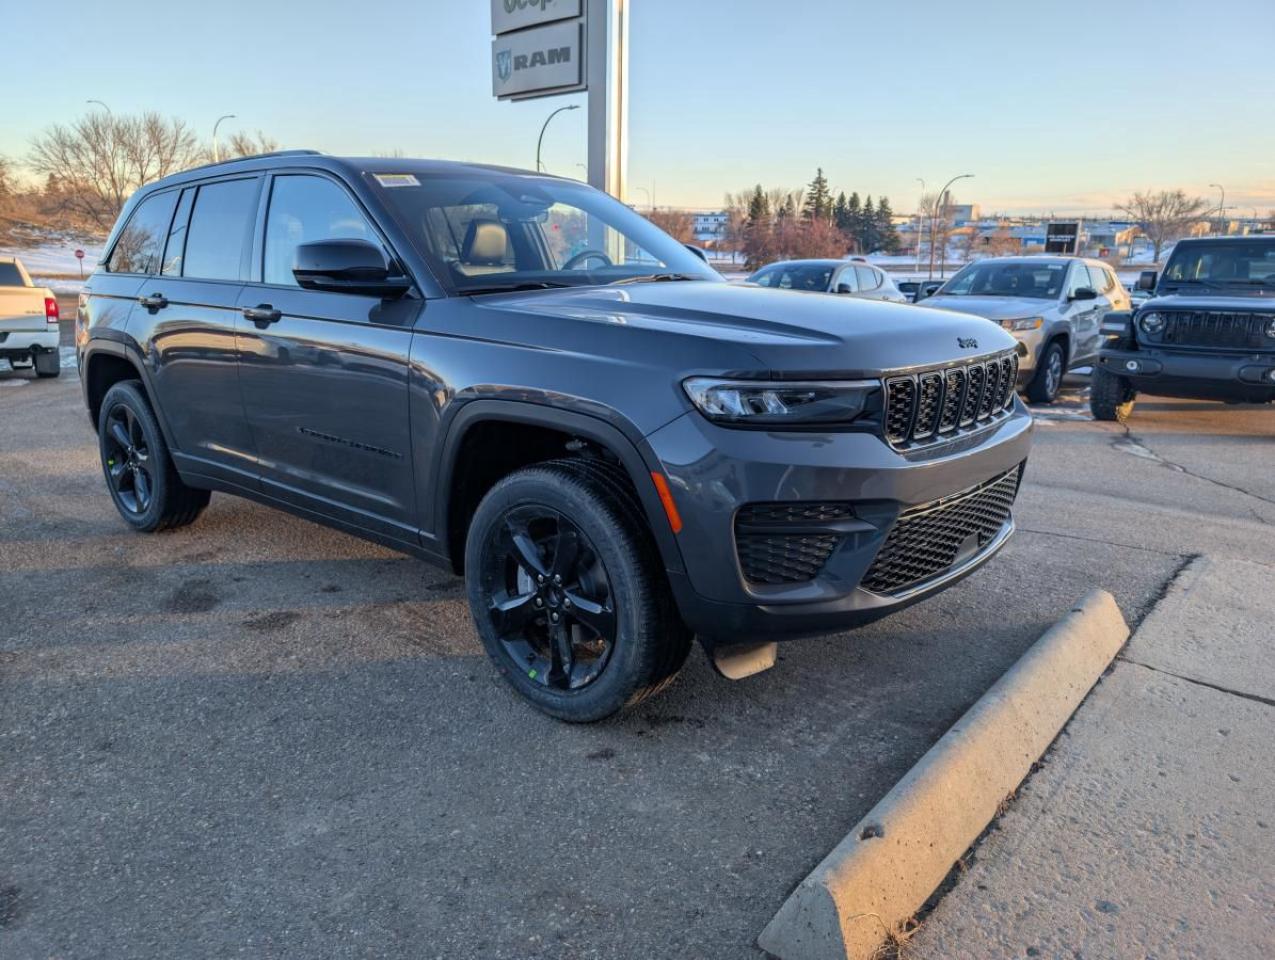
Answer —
397 179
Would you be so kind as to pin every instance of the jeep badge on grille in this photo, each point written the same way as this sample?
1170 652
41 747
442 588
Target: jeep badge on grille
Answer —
967 343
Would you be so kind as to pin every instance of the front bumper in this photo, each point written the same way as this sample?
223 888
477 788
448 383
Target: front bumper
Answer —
1201 376
714 472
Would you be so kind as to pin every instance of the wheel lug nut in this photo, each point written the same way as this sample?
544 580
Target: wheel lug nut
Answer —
538 602
553 617
566 601
540 578
557 578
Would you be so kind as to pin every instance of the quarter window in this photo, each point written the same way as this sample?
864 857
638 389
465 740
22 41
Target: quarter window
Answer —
138 248
219 228
304 209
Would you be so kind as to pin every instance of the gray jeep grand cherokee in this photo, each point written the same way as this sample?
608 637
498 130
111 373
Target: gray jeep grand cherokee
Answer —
518 378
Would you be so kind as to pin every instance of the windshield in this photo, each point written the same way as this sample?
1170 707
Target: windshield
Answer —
484 234
1037 281
794 276
1247 262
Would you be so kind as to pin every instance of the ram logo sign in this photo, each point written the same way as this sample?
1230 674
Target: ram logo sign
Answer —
538 61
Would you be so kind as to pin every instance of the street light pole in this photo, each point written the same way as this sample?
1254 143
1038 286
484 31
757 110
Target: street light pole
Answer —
541 138
1221 206
649 204
919 202
216 152
943 214
102 105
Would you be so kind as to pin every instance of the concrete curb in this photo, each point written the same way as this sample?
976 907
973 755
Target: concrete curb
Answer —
895 857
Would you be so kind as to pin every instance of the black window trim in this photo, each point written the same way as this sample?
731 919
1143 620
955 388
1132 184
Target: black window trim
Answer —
142 201
257 268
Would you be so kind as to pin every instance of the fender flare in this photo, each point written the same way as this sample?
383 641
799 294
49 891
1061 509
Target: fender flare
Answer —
123 348
636 456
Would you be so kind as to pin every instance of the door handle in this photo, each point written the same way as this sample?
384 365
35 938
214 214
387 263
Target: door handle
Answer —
156 301
262 315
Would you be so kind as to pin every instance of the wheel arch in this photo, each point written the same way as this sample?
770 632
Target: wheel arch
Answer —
536 425
108 362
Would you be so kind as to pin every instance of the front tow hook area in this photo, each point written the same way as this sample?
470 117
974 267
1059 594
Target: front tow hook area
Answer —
736 661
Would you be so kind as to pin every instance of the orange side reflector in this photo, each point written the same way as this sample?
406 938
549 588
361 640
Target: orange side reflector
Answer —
666 498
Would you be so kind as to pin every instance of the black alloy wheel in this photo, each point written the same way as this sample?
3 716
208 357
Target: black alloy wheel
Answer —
551 605
129 466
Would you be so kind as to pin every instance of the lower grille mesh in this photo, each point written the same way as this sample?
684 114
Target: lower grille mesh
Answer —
775 544
926 541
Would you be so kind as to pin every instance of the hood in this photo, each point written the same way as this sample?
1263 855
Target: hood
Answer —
1240 300
993 308
810 336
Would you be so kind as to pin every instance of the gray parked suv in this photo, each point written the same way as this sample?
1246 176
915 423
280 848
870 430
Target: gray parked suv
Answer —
518 378
854 278
1053 306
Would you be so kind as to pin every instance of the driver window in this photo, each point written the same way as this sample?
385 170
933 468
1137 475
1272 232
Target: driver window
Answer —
1079 279
846 278
304 209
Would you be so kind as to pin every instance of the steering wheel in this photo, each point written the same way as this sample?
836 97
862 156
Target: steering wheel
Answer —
585 255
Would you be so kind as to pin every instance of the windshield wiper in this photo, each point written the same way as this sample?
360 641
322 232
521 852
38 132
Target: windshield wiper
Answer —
657 278
514 287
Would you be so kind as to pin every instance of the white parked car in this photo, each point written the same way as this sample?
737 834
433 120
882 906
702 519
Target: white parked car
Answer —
28 321
854 278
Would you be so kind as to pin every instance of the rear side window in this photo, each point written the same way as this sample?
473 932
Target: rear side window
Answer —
176 246
304 209
139 245
220 225
868 279
10 275
1101 280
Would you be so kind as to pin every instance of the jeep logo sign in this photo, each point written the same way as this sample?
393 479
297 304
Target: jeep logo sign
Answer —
507 15
539 60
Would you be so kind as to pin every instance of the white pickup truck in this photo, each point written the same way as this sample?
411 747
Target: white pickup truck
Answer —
28 321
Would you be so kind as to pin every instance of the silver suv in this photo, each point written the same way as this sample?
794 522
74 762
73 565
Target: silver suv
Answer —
1052 305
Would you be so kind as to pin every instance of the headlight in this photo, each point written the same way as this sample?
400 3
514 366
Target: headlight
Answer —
763 402
1023 323
1270 328
1151 323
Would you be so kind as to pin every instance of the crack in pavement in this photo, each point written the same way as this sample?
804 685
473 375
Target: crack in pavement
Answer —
1107 543
1202 683
1135 446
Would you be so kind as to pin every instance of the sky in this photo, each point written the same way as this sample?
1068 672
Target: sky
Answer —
1064 107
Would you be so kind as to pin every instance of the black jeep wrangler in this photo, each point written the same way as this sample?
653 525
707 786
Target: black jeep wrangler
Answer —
1207 333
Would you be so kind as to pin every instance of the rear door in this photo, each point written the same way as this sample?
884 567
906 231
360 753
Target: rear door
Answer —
185 325
325 383
1083 316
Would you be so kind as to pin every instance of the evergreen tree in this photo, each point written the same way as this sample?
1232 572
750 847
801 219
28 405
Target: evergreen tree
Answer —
818 204
789 210
868 228
758 207
854 220
888 237
839 212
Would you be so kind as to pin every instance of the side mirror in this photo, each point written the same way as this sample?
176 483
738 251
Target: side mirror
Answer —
697 251
347 266
1085 293
844 288
1146 280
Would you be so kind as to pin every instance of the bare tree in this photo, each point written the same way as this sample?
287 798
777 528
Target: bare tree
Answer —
247 145
1163 216
99 160
678 224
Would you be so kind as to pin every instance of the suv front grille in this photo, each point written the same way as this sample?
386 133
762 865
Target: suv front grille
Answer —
781 543
926 541
937 404
1216 329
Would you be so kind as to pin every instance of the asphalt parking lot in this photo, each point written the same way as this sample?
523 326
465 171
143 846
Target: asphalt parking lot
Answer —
257 736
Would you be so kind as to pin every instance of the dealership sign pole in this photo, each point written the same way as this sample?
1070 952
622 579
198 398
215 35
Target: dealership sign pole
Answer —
545 48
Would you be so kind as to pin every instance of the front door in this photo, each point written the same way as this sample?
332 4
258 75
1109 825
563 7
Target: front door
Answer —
1083 316
325 375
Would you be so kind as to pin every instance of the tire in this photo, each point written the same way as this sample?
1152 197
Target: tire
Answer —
617 578
48 364
1111 397
1044 386
139 473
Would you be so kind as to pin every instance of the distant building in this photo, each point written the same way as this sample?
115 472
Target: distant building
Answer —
710 226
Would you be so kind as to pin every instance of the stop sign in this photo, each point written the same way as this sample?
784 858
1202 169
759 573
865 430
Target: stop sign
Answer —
79 254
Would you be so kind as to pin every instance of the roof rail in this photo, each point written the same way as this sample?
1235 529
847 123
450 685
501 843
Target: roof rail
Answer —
256 156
